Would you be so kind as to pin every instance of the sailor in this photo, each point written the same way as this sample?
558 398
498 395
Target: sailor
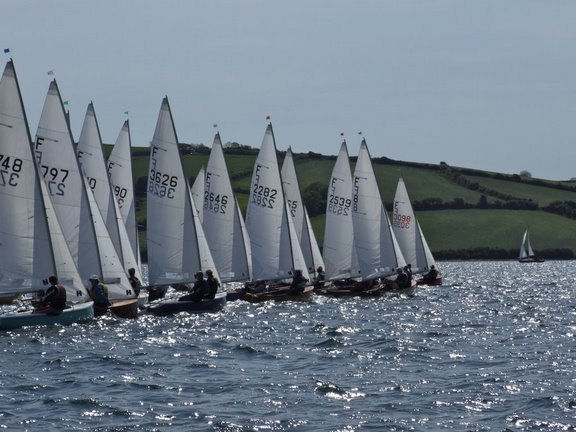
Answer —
298 283
431 275
408 272
402 279
198 291
320 278
99 292
213 285
134 281
54 301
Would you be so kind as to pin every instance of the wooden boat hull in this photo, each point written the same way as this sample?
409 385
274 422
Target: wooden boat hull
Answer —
281 293
436 282
100 310
7 299
173 307
391 287
531 260
353 290
125 308
81 312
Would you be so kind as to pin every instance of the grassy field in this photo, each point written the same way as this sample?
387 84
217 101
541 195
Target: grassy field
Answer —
444 229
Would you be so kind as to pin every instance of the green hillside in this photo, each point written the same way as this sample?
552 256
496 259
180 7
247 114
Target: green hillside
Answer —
463 212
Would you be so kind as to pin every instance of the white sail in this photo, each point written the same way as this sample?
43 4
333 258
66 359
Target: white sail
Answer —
31 243
299 215
120 174
177 247
523 252
408 231
197 192
377 249
93 164
338 251
223 222
528 245
275 249
245 245
56 156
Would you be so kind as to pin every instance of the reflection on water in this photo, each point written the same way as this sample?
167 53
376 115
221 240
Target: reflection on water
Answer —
492 350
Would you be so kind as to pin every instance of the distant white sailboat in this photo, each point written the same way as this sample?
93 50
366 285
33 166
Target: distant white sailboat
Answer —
92 161
376 246
276 252
299 214
74 204
527 255
177 246
223 223
32 246
338 250
121 179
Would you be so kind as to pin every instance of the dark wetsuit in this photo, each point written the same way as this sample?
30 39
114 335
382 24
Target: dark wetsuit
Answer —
213 284
197 293
403 281
136 285
431 275
298 284
55 299
320 278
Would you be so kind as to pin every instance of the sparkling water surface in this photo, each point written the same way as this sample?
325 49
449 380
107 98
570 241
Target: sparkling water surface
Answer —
492 350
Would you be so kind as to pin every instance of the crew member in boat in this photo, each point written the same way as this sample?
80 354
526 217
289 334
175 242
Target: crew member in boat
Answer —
298 283
99 292
402 279
54 301
320 278
134 281
431 275
408 270
198 291
213 284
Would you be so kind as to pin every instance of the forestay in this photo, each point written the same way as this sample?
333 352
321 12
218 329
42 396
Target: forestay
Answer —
56 156
299 214
31 243
275 249
223 223
93 164
121 180
177 247
408 232
377 249
339 252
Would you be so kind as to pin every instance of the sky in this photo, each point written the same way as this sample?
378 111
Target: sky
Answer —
485 84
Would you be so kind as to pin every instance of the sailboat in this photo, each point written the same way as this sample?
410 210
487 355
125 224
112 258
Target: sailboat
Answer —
74 204
276 254
526 253
410 237
379 255
177 247
32 246
223 223
299 215
121 180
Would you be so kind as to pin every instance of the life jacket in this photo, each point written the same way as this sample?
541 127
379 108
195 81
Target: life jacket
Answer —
59 301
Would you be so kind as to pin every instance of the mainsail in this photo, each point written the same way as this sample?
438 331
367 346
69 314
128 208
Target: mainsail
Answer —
275 249
408 232
31 242
120 173
526 248
223 223
197 192
299 214
93 164
376 246
339 251
177 247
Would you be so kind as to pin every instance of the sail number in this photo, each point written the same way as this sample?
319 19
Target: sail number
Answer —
9 170
264 196
55 179
215 203
162 185
120 193
401 221
293 207
339 205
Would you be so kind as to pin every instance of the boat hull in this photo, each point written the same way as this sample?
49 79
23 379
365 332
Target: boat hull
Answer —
436 282
350 290
391 287
77 313
173 307
278 293
7 299
125 308
531 260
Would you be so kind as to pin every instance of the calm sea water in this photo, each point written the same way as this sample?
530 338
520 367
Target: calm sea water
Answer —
491 351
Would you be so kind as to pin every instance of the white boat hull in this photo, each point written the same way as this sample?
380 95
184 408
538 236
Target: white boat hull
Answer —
81 312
